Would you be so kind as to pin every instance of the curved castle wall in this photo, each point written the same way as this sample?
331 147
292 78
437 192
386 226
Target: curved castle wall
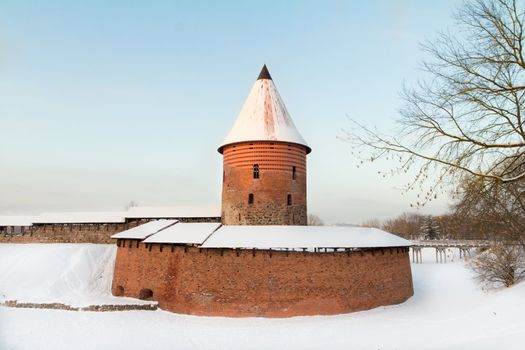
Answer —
279 191
242 282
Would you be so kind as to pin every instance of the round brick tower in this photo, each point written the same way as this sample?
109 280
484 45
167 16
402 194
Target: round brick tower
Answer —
264 171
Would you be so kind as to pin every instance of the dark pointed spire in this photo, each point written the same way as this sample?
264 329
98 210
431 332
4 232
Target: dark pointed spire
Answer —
264 74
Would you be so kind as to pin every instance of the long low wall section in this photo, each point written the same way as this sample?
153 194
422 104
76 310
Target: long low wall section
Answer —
77 233
242 282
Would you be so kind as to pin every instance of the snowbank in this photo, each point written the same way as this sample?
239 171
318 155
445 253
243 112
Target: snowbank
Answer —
73 274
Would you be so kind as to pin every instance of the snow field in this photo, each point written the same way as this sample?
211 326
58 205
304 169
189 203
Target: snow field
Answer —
448 311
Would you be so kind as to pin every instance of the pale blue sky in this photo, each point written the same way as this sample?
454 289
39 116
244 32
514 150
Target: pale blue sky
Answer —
102 102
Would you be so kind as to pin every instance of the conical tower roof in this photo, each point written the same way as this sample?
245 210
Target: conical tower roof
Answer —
264 117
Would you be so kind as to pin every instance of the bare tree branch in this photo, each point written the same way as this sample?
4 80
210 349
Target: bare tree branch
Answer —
467 117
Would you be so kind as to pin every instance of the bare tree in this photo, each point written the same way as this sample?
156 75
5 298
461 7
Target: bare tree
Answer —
406 225
467 116
314 220
500 265
496 209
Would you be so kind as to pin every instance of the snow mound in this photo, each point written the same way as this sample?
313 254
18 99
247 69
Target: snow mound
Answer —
73 274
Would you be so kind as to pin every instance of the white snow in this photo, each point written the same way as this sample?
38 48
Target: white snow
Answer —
112 217
191 233
264 117
145 230
278 237
174 212
447 311
16 220
80 218
73 274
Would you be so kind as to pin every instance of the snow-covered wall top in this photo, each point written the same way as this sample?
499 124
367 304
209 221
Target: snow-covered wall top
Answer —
16 220
145 230
264 117
191 233
276 237
79 218
213 235
112 217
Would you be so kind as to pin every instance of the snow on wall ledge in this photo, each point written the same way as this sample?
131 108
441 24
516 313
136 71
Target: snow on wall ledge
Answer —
210 235
278 237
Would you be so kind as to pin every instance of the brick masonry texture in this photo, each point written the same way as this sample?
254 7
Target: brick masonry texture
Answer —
276 181
242 283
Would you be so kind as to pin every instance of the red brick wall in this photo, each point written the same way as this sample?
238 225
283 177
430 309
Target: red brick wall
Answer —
230 282
275 182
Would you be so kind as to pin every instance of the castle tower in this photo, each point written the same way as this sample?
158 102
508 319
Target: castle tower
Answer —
264 177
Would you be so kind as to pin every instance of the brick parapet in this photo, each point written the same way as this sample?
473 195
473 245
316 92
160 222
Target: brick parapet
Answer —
241 282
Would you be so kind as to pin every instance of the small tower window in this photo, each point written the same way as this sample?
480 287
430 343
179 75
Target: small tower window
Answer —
289 199
256 171
250 198
293 172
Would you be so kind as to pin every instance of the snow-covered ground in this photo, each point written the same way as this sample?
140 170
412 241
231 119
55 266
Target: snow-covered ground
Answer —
73 274
448 311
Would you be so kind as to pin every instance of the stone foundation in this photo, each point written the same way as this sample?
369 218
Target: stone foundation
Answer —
93 308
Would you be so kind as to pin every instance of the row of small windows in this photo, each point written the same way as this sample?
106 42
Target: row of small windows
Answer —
251 199
256 172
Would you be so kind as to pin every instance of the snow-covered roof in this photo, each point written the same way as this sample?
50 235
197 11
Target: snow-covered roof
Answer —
174 212
264 117
145 230
276 237
191 233
16 220
79 218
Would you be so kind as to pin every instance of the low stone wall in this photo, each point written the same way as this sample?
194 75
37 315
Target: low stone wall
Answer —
236 282
79 233
94 308
68 233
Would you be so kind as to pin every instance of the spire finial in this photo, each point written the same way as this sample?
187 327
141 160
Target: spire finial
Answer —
264 73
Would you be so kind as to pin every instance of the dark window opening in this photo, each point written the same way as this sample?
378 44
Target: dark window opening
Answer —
145 294
289 200
256 171
119 291
294 172
250 198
